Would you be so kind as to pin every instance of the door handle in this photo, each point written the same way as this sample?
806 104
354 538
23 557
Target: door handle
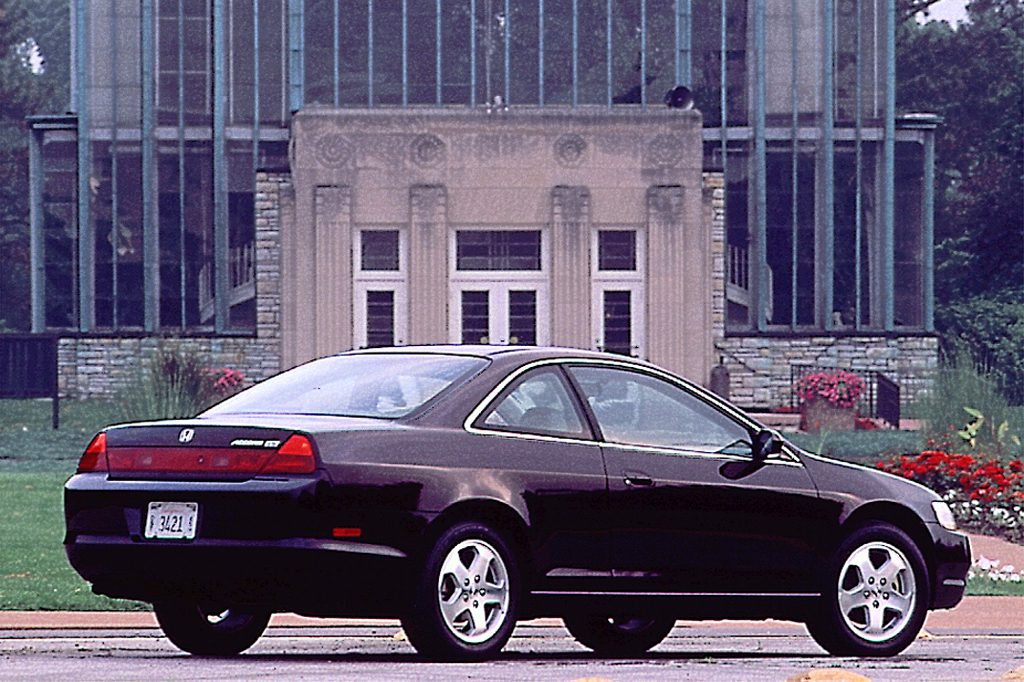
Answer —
636 479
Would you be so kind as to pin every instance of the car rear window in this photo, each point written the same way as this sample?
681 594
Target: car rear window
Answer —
373 385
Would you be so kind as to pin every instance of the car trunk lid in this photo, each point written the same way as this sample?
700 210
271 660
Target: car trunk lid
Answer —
193 450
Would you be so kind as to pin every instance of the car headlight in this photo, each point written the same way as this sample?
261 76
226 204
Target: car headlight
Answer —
944 515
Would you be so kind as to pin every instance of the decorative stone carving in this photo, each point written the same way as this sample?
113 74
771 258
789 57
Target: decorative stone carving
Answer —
428 151
570 150
571 205
663 151
665 203
333 150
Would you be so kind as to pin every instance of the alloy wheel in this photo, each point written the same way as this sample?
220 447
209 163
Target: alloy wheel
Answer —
473 591
877 591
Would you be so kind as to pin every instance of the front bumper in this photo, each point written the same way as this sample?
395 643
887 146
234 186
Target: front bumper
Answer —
951 560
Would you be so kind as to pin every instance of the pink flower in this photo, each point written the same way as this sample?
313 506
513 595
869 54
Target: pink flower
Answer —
839 388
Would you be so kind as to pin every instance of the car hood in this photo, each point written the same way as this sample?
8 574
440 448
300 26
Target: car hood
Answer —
856 484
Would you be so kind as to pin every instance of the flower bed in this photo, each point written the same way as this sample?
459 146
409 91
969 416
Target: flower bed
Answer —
985 494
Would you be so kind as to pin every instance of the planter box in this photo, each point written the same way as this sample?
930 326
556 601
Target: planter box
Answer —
819 415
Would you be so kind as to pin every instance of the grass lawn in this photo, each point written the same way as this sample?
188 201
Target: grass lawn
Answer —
34 572
28 443
34 463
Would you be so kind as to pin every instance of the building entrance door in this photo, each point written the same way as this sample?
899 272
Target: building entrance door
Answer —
499 287
504 313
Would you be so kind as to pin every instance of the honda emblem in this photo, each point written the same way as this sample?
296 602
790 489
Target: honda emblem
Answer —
186 435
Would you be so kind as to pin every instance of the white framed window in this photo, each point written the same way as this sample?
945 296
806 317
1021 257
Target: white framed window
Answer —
618 291
380 292
499 292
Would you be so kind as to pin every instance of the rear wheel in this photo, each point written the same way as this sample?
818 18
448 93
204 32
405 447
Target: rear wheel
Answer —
618 636
466 598
207 631
877 596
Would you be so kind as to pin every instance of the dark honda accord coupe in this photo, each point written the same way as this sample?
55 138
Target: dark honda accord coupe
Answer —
463 488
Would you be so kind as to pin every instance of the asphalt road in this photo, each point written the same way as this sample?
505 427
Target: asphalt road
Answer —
538 651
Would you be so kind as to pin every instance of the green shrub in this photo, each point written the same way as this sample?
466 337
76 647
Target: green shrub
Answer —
172 385
859 445
963 392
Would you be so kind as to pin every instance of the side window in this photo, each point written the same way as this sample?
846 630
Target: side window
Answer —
537 403
637 409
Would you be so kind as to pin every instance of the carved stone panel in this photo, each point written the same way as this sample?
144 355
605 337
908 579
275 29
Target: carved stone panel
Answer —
570 150
428 151
663 151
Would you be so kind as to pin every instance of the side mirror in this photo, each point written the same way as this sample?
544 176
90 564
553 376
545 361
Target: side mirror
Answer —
766 443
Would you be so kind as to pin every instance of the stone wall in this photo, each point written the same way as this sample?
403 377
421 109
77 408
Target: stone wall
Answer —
92 366
714 216
759 367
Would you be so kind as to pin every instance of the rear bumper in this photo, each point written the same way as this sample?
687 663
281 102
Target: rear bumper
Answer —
300 575
263 542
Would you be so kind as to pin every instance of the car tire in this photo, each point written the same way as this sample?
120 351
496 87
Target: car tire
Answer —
615 636
466 597
876 596
210 631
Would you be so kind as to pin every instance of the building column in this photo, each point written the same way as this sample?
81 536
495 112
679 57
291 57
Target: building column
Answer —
428 265
570 267
221 246
86 234
150 209
889 172
678 285
37 242
289 282
332 215
296 54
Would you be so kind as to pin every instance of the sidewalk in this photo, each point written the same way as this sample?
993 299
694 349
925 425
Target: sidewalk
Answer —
997 615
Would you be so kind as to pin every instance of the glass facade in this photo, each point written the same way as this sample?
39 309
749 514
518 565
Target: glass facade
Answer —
144 200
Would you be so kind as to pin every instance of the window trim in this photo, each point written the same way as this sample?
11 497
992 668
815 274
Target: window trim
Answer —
662 449
788 457
589 434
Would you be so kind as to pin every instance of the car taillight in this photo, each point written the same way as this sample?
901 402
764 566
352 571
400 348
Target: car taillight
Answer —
95 456
295 456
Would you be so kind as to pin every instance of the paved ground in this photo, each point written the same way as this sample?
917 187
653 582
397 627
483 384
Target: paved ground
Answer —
983 639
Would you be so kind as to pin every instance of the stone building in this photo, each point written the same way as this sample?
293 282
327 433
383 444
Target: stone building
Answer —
262 182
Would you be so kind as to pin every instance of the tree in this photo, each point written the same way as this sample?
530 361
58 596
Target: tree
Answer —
972 76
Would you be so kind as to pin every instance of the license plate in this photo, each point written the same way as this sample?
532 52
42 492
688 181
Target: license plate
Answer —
172 520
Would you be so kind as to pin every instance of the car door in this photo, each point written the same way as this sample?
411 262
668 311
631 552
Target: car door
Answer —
548 446
688 509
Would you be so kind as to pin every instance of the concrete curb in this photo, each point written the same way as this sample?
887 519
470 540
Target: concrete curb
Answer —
1000 615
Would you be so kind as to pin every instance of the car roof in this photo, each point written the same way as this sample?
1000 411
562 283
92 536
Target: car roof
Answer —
493 351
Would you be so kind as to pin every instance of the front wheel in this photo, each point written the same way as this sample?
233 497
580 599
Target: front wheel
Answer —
618 636
210 631
466 598
877 596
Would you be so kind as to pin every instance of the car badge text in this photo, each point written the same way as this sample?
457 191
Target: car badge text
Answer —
250 443
186 435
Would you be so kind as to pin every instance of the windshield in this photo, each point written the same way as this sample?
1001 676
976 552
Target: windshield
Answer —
372 385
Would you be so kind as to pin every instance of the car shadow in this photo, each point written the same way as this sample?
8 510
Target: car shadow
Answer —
532 657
